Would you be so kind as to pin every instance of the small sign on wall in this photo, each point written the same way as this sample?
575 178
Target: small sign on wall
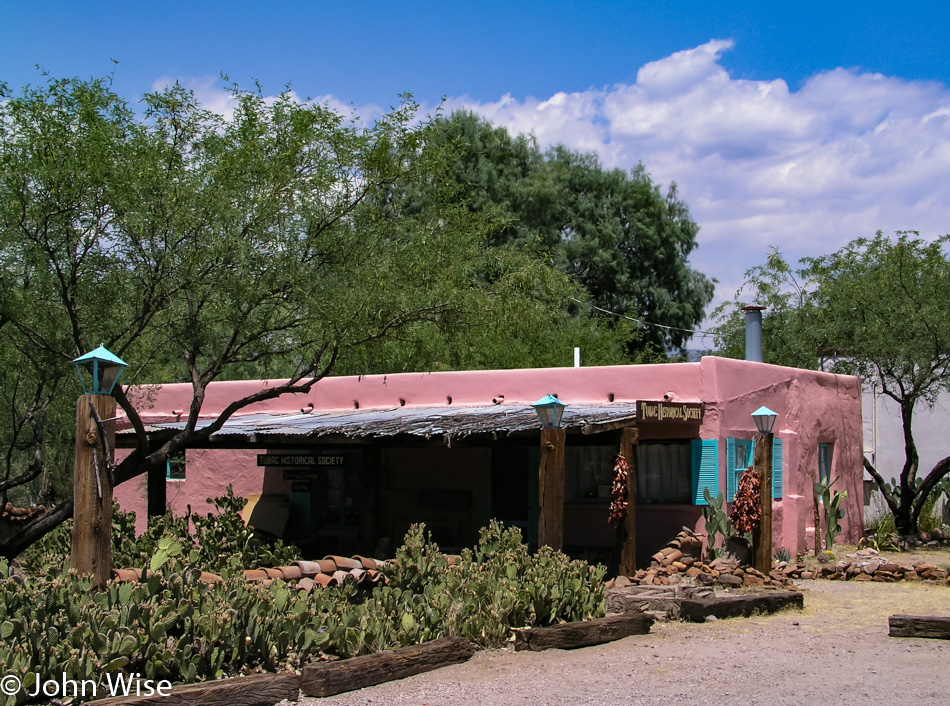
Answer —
662 411
301 460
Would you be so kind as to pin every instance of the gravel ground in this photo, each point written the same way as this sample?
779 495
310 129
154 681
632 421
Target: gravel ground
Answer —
835 651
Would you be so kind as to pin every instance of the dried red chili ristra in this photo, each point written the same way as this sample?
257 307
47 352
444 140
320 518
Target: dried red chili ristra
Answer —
618 492
745 509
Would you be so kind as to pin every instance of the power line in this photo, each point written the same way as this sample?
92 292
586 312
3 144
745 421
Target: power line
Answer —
645 323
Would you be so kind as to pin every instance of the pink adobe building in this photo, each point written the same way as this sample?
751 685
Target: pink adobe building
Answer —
349 467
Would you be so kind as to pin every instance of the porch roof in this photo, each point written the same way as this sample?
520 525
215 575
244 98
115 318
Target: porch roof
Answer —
448 421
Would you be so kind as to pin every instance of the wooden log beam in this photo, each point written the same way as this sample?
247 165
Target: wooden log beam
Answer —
329 678
582 633
255 690
931 626
551 489
695 610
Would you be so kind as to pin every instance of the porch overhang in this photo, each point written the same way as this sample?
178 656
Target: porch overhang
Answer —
448 422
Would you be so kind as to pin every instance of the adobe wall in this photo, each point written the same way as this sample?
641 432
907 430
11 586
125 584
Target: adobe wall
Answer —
813 407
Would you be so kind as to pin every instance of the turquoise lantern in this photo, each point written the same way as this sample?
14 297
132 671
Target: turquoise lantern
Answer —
550 410
764 419
104 368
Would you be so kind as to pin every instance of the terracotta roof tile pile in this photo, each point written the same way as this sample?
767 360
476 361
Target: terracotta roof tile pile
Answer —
680 563
329 571
21 514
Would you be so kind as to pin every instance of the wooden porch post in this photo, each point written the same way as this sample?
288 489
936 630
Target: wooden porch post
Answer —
627 530
551 489
92 490
762 537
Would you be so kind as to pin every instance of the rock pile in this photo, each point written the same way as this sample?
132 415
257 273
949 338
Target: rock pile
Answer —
866 565
680 563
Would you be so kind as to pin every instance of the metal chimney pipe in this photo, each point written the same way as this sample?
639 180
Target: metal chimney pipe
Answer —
753 333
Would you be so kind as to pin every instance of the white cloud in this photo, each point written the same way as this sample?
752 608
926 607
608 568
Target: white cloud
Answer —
807 170
759 164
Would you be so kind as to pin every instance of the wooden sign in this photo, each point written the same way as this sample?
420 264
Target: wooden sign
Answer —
662 411
304 460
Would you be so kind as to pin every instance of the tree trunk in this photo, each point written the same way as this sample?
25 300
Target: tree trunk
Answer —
36 530
904 518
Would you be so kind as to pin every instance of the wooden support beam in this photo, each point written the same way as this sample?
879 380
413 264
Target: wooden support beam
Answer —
627 530
91 553
329 678
551 489
932 626
620 423
582 633
762 537
696 610
254 690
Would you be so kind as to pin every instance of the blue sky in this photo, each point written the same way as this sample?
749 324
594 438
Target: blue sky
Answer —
801 125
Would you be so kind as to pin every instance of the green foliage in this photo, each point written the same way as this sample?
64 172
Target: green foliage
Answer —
266 244
497 586
833 511
878 308
783 555
882 536
718 526
173 626
931 515
613 232
217 542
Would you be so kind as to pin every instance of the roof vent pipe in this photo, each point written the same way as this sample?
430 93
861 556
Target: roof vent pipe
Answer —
753 333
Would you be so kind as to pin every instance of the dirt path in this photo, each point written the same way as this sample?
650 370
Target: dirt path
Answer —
836 651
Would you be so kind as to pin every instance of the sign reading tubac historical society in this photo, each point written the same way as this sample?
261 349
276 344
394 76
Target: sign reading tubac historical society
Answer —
662 411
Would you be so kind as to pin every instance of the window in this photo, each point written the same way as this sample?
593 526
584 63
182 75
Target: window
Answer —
590 471
671 472
739 457
664 472
175 467
824 462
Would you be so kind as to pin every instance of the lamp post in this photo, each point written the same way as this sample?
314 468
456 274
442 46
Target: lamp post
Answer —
551 472
762 461
92 477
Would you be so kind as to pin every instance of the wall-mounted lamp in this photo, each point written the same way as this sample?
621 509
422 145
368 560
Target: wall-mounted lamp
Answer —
550 410
764 419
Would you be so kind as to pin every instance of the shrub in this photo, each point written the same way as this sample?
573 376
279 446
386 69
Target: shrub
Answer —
173 626
209 541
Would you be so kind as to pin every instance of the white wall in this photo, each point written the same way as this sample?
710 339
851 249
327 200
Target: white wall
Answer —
884 436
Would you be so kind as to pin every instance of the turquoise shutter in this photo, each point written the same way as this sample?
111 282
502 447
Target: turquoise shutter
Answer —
776 468
731 475
705 460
